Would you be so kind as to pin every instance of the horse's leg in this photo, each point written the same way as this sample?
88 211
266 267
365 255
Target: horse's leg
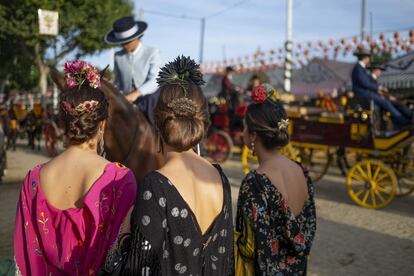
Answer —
38 131
14 139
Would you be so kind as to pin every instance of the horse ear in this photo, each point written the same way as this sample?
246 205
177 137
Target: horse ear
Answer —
57 78
102 73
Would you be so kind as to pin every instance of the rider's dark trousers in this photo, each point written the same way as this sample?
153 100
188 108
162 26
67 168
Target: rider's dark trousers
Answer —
397 117
147 105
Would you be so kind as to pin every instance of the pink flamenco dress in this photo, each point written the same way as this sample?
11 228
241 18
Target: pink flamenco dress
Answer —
75 241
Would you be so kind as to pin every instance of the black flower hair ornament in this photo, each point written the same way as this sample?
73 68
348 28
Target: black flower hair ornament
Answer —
182 71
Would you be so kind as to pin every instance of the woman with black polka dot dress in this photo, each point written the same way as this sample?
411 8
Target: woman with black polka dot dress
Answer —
182 220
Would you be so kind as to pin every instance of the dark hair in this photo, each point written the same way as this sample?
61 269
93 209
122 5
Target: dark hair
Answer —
182 129
263 119
81 126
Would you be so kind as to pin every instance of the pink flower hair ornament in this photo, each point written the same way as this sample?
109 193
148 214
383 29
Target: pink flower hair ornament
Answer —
79 72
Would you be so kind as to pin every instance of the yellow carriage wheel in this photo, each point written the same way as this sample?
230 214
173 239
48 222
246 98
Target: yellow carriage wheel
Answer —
404 169
371 184
290 152
249 160
316 160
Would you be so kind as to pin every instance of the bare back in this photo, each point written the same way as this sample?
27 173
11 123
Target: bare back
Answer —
289 180
66 179
199 184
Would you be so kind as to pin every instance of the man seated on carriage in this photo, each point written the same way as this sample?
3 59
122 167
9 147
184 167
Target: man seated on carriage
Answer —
365 88
136 65
376 72
229 91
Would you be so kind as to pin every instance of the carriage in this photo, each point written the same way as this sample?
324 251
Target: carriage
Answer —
16 123
51 131
225 135
34 125
378 164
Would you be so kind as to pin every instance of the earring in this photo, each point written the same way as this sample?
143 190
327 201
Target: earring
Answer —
101 145
253 149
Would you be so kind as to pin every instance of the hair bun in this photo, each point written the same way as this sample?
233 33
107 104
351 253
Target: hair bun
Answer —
183 107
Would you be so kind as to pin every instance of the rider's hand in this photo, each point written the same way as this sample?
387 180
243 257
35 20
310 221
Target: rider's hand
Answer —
135 94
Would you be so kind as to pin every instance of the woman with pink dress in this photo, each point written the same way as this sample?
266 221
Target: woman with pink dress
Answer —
73 208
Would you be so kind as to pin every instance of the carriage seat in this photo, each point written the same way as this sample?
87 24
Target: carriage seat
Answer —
305 110
388 134
332 115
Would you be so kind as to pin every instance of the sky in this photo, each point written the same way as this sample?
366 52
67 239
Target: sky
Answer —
256 24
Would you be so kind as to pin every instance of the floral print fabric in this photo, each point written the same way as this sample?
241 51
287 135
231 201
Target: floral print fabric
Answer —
49 241
282 241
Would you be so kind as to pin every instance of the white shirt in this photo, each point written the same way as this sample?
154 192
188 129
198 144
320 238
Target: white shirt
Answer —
137 70
362 64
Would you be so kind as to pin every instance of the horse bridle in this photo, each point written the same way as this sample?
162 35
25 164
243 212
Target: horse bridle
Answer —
132 144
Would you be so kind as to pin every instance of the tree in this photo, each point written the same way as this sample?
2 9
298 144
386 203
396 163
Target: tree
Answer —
82 25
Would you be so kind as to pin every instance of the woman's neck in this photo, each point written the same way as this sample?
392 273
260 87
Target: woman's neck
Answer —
265 156
83 148
170 154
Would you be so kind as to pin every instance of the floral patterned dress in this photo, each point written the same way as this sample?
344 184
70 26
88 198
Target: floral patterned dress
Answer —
282 241
75 241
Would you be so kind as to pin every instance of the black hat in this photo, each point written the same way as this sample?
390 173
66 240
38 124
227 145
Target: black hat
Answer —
376 66
229 69
362 53
124 30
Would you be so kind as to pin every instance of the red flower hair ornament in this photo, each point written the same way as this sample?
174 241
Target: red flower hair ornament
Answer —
259 94
265 92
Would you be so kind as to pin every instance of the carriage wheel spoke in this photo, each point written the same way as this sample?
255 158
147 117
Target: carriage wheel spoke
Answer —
361 171
377 170
383 176
357 177
379 195
357 194
369 173
373 199
364 199
357 183
380 188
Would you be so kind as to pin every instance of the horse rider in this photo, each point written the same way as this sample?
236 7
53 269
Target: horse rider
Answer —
376 72
228 90
364 87
136 65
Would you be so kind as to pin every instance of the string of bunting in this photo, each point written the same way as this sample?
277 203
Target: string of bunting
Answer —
395 43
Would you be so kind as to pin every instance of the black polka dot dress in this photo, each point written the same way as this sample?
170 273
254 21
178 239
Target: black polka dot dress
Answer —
166 238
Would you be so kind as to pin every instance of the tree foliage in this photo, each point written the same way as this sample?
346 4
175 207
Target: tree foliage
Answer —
82 25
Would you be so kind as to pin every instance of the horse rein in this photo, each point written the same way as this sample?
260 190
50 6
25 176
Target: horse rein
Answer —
132 144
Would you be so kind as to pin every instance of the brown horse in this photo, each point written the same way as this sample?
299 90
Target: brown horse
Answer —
129 137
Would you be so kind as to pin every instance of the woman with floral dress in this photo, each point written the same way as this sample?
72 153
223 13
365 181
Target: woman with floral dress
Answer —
276 200
71 209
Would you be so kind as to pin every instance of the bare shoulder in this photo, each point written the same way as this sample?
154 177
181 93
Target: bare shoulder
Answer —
66 163
193 166
204 168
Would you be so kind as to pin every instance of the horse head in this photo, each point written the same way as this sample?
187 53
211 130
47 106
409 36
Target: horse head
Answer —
129 138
